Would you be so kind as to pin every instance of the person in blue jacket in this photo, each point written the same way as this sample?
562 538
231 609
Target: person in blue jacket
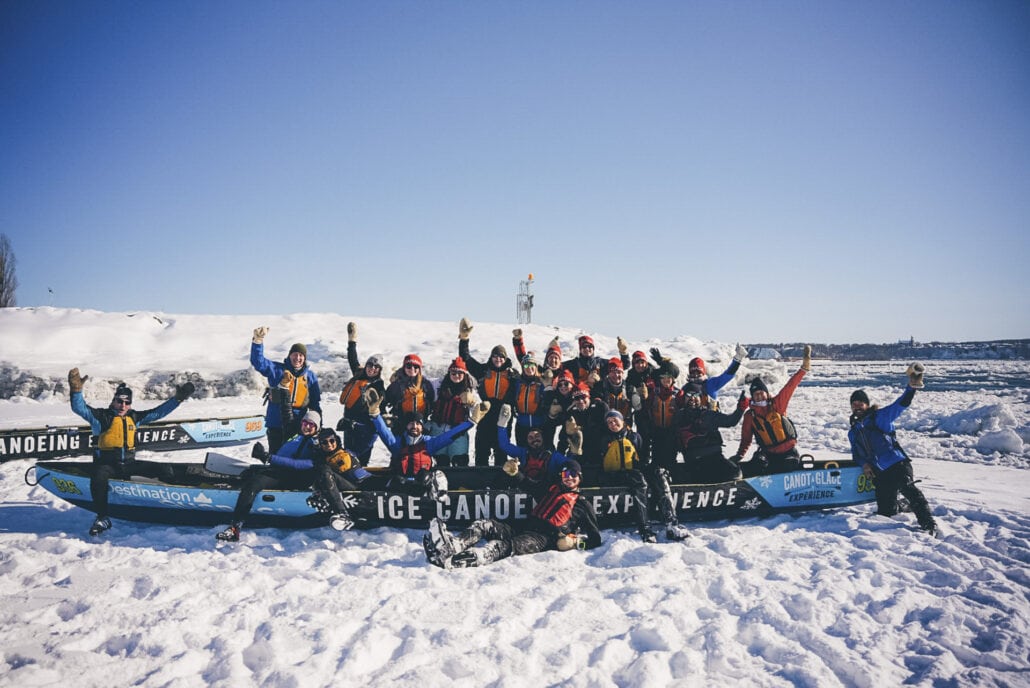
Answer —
114 440
293 389
535 461
292 467
708 387
874 446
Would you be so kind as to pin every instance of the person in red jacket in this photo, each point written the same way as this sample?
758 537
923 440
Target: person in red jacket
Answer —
766 423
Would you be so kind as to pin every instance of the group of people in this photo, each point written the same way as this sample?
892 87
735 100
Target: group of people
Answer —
620 421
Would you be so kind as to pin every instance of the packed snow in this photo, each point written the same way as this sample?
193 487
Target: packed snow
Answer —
835 598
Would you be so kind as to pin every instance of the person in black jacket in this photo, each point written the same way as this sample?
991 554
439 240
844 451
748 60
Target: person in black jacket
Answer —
698 429
359 434
562 519
496 380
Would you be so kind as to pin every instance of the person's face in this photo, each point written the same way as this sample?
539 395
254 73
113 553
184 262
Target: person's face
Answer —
859 408
639 365
307 428
297 360
665 381
328 444
529 369
497 360
615 424
586 349
759 395
412 369
564 387
535 439
372 370
693 401
414 428
121 406
552 361
457 374
580 400
570 480
616 375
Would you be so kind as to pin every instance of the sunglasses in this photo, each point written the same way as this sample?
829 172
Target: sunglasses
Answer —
122 402
564 383
457 372
307 424
580 397
569 473
412 366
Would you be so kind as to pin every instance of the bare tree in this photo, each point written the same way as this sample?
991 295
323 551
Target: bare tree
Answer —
8 280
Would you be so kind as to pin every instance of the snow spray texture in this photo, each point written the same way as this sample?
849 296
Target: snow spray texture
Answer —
52 442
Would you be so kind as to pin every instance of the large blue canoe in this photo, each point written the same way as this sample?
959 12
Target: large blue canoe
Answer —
193 495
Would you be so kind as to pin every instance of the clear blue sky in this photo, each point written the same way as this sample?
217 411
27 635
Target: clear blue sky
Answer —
753 171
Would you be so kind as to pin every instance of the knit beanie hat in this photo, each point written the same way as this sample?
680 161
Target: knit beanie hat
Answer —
586 340
413 358
299 348
639 354
529 359
756 385
123 392
615 363
458 364
499 350
313 416
860 395
614 414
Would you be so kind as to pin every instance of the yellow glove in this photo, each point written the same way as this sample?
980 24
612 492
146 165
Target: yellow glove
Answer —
915 375
593 378
806 361
623 347
352 332
511 467
575 442
75 382
477 412
372 400
464 328
259 334
287 380
516 333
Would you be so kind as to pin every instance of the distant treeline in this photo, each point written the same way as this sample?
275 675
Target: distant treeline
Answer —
1004 349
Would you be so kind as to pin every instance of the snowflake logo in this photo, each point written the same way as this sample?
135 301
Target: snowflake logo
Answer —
751 504
765 481
350 501
184 440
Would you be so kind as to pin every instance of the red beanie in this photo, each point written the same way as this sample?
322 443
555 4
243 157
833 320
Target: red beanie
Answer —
639 354
615 363
586 339
413 358
563 375
458 364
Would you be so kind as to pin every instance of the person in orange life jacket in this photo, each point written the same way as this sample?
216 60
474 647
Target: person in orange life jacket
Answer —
614 392
555 403
698 429
114 440
561 519
409 392
292 468
656 420
359 435
552 363
534 459
293 389
496 381
588 415
411 452
766 422
455 394
587 367
527 400
875 447
338 470
708 388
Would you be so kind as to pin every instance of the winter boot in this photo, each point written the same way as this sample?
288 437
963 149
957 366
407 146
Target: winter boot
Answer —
100 524
676 532
465 559
445 544
432 554
931 529
646 534
340 522
230 534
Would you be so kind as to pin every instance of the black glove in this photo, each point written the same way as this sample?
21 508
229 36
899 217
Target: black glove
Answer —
656 355
184 392
345 424
259 452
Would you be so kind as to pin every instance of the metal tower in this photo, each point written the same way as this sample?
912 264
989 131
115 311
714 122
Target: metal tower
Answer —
524 302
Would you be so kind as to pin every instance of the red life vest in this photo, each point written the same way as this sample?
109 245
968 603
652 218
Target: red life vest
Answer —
536 465
662 410
413 459
556 506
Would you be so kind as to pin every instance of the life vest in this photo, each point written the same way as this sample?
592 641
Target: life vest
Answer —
352 391
414 400
662 410
414 459
120 434
621 455
449 409
298 391
772 429
536 465
343 462
618 401
527 397
495 385
555 507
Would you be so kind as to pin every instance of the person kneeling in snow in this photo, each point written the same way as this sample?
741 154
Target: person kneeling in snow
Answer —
562 519
874 446
411 452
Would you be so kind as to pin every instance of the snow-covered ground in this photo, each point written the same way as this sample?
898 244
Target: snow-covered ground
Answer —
822 599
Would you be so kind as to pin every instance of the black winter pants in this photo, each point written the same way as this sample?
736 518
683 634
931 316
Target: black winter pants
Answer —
899 478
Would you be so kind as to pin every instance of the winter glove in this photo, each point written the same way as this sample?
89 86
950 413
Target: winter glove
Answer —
511 467
567 542
259 452
516 333
345 424
75 382
806 361
372 400
464 328
656 355
743 402
504 416
575 442
468 398
259 335
184 392
635 402
555 410
352 332
593 378
623 347
571 426
915 375
287 380
477 412
644 391
740 354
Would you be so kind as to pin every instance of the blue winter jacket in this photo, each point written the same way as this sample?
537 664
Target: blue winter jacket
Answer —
273 372
298 454
873 438
100 419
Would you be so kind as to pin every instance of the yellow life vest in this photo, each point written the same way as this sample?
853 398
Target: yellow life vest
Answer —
772 429
298 391
340 461
621 455
121 434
